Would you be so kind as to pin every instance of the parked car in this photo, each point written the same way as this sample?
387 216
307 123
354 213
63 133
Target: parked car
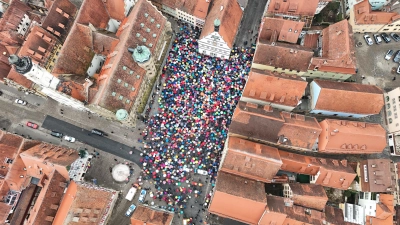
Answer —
69 138
398 70
56 134
98 132
389 54
130 210
32 125
396 58
142 195
368 39
395 37
378 39
20 101
385 37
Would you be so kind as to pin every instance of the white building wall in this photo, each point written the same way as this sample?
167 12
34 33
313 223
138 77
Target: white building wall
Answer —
24 25
392 103
321 6
95 65
365 200
128 4
63 98
42 77
214 45
375 4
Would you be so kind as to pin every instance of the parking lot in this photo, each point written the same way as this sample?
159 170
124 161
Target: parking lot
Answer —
372 65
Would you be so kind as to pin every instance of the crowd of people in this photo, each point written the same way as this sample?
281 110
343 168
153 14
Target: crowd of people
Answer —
196 103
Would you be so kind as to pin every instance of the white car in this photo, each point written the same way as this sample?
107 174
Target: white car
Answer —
21 102
142 195
68 138
368 39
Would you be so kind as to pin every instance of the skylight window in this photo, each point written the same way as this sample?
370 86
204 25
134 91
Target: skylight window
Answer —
113 94
126 84
119 80
121 97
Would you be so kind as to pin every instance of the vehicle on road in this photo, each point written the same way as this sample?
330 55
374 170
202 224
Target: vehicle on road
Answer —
396 58
98 132
131 194
378 39
398 70
385 37
395 37
142 195
69 138
389 54
20 101
32 125
368 39
56 134
130 210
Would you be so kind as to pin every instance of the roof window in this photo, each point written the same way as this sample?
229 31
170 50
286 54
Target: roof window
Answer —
154 35
146 15
127 101
119 80
138 76
124 67
131 72
126 84
142 25
158 25
144 40
148 30
137 35
152 20
113 94
121 97
133 89
150 45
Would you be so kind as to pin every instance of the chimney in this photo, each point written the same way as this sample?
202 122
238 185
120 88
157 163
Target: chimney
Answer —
217 23
251 105
344 162
268 108
152 214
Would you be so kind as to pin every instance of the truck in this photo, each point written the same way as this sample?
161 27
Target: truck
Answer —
131 194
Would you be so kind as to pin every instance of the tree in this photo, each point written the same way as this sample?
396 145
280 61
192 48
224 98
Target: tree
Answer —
82 153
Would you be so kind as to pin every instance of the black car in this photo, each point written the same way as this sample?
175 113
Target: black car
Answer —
396 58
386 37
56 134
98 132
395 37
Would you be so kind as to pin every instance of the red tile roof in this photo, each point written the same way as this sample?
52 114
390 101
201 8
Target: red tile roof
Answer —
148 216
123 76
48 201
287 57
94 12
73 89
238 198
363 14
351 137
60 17
384 211
251 160
230 15
249 120
378 175
278 29
103 42
197 8
89 203
77 52
9 23
281 89
19 78
338 53
309 195
116 9
354 98
38 45
293 7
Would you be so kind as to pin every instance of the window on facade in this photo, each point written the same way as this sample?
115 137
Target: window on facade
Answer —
8 160
395 115
394 108
393 100
390 120
389 113
387 98
388 105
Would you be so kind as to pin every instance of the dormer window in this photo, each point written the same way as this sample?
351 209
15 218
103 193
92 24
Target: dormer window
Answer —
8 160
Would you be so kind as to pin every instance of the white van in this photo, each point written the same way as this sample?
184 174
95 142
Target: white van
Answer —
131 194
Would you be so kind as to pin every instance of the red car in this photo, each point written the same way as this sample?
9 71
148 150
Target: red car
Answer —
32 125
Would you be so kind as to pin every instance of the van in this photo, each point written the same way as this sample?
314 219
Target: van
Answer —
98 132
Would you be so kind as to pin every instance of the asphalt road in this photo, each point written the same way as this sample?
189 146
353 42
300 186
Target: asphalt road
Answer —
84 136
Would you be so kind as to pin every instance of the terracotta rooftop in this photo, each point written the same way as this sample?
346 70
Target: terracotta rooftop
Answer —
48 201
169 3
73 89
281 89
250 120
309 195
10 145
301 215
121 77
375 175
354 98
338 53
197 8
77 52
384 211
363 14
103 42
230 15
351 137
19 78
293 7
38 45
238 198
94 12
291 58
23 205
9 23
278 29
147 216
59 18
328 172
54 154
84 202
251 160
116 9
